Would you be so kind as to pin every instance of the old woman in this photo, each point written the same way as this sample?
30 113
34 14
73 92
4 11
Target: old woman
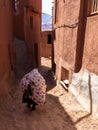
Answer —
34 89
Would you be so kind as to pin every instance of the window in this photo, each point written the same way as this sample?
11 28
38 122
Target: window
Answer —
93 7
31 22
49 39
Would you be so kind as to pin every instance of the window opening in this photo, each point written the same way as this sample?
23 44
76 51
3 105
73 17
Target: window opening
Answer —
64 78
49 39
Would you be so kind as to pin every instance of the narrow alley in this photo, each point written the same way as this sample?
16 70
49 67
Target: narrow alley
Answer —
61 111
69 48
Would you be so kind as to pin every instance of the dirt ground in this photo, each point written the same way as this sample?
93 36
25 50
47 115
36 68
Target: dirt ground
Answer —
61 111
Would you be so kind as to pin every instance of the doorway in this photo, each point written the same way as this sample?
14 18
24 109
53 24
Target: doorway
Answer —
35 55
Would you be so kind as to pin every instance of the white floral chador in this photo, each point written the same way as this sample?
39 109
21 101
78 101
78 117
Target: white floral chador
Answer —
37 83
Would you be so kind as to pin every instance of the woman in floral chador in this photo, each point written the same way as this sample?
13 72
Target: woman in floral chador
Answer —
34 88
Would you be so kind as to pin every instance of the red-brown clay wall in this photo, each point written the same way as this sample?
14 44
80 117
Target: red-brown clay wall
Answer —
65 38
33 36
46 48
6 38
19 15
19 21
84 83
22 28
36 5
90 58
76 51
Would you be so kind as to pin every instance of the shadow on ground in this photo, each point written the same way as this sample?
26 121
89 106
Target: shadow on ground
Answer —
15 116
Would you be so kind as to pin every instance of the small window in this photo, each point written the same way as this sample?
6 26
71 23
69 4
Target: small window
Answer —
49 39
31 22
93 7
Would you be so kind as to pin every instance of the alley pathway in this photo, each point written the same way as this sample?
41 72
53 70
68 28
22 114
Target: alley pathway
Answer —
61 111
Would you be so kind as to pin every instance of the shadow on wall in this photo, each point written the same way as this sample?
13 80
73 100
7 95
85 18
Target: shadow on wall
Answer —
23 64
